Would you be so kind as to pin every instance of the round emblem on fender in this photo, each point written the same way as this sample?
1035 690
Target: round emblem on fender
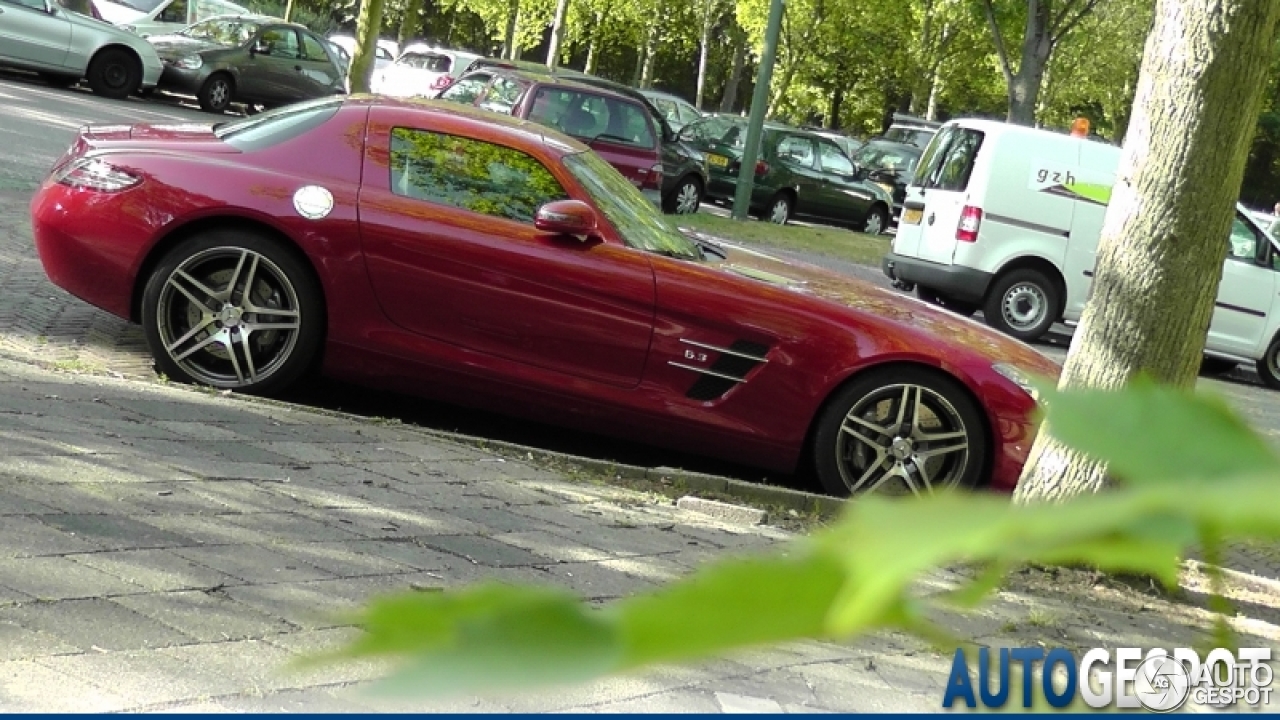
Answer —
313 202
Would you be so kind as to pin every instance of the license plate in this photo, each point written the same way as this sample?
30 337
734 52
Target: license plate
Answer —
911 216
718 160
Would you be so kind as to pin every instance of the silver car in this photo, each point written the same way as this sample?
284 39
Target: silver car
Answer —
65 46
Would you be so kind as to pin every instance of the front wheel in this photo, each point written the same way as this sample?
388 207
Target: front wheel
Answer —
1269 365
685 199
233 310
1023 303
115 74
877 220
900 429
215 94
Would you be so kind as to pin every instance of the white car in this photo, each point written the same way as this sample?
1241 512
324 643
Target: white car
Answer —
64 46
384 55
162 17
422 70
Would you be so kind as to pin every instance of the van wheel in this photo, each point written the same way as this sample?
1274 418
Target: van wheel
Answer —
1269 365
1023 303
1216 366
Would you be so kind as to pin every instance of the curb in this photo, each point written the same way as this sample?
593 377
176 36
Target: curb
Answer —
714 486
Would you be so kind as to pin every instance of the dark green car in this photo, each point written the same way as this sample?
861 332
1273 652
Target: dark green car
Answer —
799 175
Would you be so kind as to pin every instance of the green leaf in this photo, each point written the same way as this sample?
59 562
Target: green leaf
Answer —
1153 433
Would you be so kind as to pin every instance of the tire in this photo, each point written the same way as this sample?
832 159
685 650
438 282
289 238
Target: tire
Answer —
114 73
877 220
1023 303
847 463
1269 366
779 210
205 343
685 198
59 81
1216 366
216 93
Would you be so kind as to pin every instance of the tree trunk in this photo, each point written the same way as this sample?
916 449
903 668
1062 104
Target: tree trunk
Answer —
650 55
557 34
509 36
593 46
935 89
368 25
704 50
730 97
1160 256
1037 45
288 10
410 23
833 114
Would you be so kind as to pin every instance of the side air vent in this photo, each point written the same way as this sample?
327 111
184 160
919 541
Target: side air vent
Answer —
730 368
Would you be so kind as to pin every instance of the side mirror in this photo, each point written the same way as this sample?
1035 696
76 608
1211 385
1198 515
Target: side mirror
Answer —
259 48
566 217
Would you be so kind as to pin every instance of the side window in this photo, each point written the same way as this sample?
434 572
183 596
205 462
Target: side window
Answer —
313 49
281 42
470 174
502 95
175 12
668 109
626 123
466 90
831 160
798 150
689 113
1244 242
33 4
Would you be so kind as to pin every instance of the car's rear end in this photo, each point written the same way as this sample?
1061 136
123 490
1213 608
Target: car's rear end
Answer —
722 141
418 72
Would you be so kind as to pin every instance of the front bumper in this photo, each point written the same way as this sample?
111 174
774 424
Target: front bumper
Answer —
152 69
182 82
956 281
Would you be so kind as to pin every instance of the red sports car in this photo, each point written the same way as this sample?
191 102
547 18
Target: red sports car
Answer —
435 249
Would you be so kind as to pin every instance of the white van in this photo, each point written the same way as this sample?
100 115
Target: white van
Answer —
162 17
1006 219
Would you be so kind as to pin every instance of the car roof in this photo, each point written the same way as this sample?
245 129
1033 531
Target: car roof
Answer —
548 77
428 48
895 143
662 94
500 125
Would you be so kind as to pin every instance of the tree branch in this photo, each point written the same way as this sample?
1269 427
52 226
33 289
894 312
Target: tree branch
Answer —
1059 32
990 12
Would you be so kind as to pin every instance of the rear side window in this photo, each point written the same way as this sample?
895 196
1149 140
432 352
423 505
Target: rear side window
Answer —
797 149
313 49
948 162
466 90
257 132
592 117
470 174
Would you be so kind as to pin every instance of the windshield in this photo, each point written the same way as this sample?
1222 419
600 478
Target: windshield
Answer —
886 157
230 32
426 61
636 219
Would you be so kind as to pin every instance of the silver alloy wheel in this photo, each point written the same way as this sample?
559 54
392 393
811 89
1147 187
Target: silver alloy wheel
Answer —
875 224
219 93
687 198
1273 359
904 436
1024 306
228 317
781 210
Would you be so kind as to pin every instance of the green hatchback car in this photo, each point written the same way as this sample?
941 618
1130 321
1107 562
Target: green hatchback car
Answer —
799 174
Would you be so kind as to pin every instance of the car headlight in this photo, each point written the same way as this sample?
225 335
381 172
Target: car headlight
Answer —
190 62
1021 379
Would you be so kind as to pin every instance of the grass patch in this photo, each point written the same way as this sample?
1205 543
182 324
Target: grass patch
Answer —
830 241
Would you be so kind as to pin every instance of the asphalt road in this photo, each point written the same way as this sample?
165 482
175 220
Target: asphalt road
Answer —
38 123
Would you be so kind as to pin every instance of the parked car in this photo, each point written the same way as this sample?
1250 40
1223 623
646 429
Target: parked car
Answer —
250 59
847 144
422 70
911 130
160 17
384 53
615 126
486 261
677 111
65 46
889 164
798 175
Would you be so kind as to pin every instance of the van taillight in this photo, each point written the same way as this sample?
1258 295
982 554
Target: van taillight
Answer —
970 221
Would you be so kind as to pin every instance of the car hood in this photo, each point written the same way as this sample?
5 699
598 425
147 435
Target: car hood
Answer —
945 332
175 46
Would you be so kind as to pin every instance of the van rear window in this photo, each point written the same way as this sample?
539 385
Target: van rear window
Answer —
948 162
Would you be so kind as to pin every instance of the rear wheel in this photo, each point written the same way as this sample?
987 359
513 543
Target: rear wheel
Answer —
780 209
877 220
686 198
215 94
114 73
1023 303
900 429
233 310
